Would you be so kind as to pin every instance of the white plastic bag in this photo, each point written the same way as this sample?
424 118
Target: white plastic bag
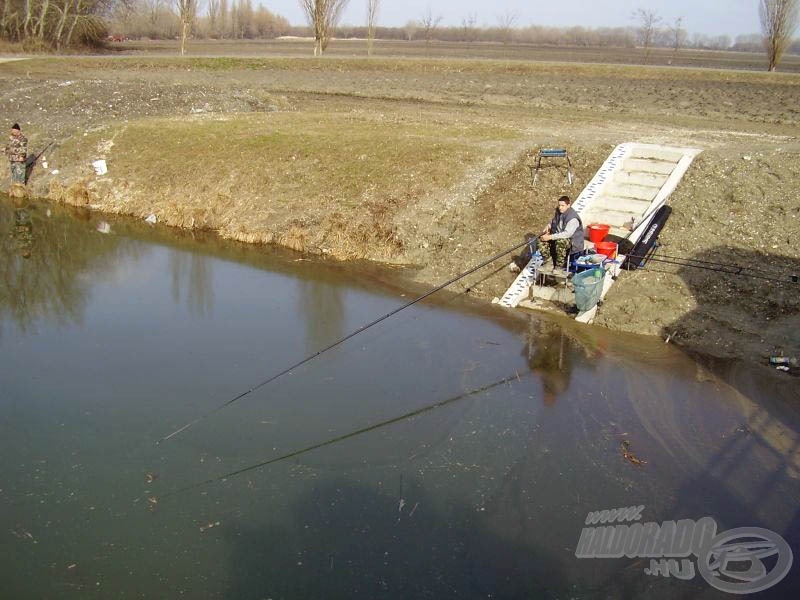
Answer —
100 167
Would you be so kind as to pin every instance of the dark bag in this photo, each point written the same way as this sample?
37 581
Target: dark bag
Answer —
30 162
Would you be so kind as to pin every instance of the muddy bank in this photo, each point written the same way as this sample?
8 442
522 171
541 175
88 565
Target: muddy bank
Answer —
425 165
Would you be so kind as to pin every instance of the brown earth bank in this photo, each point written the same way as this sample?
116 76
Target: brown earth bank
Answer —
423 162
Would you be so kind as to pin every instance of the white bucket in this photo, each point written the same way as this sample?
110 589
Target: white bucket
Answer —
100 167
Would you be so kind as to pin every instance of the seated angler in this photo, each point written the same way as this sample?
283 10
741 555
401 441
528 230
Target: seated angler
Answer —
563 236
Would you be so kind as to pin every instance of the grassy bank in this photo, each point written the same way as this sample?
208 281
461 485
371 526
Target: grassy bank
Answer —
326 182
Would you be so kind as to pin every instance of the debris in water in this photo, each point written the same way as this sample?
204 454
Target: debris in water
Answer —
103 227
151 503
630 456
411 514
152 219
209 526
150 477
401 505
21 533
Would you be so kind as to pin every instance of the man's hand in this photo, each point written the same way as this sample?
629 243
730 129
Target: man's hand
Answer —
546 237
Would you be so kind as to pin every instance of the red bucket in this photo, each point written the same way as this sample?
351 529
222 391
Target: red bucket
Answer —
598 232
607 248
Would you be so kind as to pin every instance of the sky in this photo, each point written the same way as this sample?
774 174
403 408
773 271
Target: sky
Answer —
710 17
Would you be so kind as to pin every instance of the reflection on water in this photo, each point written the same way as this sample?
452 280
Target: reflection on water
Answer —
192 278
452 451
43 254
324 313
23 231
550 356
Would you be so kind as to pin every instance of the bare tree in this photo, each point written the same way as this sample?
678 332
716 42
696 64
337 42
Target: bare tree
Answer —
469 28
213 17
778 22
677 35
56 23
410 29
187 11
429 23
506 22
648 19
322 16
372 19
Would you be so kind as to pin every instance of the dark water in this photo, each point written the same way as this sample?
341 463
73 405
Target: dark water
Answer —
467 444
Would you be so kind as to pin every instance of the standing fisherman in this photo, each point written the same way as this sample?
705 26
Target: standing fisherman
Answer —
17 151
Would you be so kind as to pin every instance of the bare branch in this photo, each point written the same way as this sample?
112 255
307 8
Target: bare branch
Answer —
778 22
323 17
187 11
372 17
648 19
506 23
429 23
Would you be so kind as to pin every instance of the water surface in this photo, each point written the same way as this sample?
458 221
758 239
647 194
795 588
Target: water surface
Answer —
451 451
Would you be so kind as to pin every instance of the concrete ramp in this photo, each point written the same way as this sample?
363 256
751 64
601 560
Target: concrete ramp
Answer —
633 183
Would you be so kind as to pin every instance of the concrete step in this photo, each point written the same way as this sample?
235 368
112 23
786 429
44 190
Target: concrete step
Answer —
615 218
626 190
655 180
619 204
662 154
622 232
642 165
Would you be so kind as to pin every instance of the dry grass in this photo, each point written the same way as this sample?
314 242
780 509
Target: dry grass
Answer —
76 193
324 182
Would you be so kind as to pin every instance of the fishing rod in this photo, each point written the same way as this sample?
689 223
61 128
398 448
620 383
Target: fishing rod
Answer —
719 268
339 438
344 339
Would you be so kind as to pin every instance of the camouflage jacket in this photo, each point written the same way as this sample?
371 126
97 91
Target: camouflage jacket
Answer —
17 148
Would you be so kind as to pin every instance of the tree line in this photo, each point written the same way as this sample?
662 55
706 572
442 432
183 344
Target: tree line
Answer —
215 19
56 24
60 24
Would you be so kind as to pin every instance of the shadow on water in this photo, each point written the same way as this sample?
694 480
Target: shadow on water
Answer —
333 546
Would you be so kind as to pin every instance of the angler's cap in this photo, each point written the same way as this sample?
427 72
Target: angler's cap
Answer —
15 126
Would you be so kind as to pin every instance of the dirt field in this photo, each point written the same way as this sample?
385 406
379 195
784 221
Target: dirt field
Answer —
422 161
